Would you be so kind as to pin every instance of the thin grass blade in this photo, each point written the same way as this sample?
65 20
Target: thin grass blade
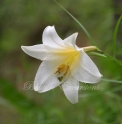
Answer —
84 29
115 35
106 56
109 80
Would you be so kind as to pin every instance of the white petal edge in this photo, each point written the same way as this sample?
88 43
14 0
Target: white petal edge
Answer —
70 41
70 88
50 38
86 71
36 51
45 79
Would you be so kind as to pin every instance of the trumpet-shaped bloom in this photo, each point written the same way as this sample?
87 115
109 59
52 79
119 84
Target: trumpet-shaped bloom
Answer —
63 64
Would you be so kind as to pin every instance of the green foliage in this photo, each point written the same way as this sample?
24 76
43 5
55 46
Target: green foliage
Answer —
115 34
22 23
14 97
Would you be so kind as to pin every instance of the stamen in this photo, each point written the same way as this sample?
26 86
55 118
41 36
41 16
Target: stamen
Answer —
60 68
66 70
63 71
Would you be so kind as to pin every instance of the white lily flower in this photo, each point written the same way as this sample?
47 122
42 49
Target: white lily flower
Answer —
64 64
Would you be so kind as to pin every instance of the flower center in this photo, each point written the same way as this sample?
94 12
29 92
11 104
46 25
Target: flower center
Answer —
63 70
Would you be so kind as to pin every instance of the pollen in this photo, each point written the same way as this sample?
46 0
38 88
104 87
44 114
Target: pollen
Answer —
62 71
62 68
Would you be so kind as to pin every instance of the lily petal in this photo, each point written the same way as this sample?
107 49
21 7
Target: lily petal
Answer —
70 88
70 41
36 51
86 71
45 79
51 39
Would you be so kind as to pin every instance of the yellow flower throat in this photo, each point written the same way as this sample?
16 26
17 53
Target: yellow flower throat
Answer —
64 69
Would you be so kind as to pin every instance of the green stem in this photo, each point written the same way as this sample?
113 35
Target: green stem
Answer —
106 56
109 80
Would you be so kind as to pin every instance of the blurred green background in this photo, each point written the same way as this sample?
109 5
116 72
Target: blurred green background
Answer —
22 23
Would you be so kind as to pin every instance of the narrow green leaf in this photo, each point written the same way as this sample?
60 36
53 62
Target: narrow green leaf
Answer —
113 59
84 29
109 80
106 56
97 54
115 35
